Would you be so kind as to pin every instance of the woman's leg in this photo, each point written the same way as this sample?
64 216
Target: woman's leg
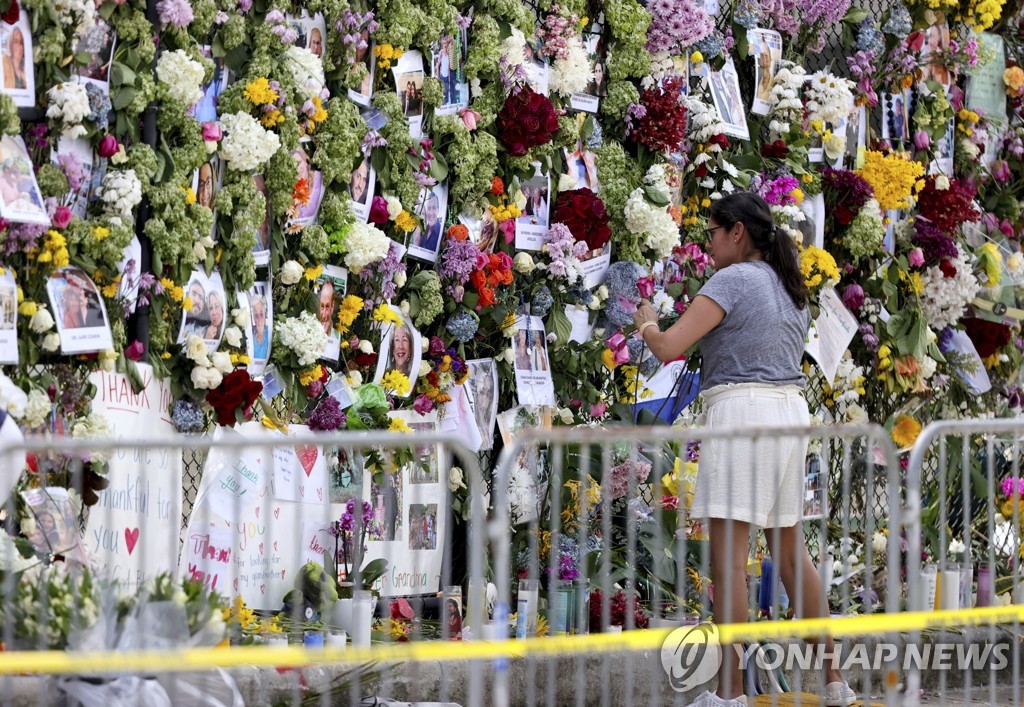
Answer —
800 578
730 543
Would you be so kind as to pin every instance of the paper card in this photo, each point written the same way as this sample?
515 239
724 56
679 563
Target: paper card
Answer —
271 385
259 331
986 91
79 312
408 73
238 478
532 225
209 558
17 67
459 418
332 286
20 198
595 264
55 527
446 61
538 73
766 50
482 390
316 540
579 317
8 319
534 385
831 333
431 206
590 99
725 91
206 317
404 350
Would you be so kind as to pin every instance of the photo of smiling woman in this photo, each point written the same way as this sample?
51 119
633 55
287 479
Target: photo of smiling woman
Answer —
404 348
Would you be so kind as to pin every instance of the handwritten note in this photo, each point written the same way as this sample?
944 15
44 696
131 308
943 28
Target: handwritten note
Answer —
209 557
831 333
132 530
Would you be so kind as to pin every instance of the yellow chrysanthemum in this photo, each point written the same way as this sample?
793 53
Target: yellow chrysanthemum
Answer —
396 382
28 308
818 266
190 197
384 313
310 375
258 92
313 273
271 118
892 177
905 431
405 221
110 291
186 304
100 233
399 425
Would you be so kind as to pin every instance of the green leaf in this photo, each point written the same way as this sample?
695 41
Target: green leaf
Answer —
855 15
560 325
439 168
121 75
656 196
124 97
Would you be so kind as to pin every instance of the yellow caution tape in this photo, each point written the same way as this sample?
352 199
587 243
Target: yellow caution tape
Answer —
197 659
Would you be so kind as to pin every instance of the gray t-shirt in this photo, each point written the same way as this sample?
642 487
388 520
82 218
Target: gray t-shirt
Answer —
761 339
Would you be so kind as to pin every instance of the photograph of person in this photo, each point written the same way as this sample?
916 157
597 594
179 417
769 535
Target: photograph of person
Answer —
581 165
936 41
98 45
725 91
425 239
424 470
386 502
8 303
76 152
314 179
411 93
401 349
20 198
594 45
215 308
482 389
359 185
77 309
531 351
423 536
316 42
327 309
262 246
260 321
899 124
364 56
197 317
15 62
447 68
79 312
537 69
205 109
206 314
536 191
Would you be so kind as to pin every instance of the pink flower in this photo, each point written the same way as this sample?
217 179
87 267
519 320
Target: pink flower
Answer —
508 227
646 286
1007 228
504 261
922 140
211 132
379 210
482 260
853 297
62 216
598 409
108 146
1001 171
916 258
423 405
134 351
469 118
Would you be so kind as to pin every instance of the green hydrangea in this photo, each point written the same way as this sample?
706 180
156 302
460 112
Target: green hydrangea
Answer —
568 131
425 300
472 163
135 31
280 176
99 254
619 175
338 141
203 14
484 40
433 92
52 182
514 12
233 33
628 23
10 123
142 159
400 21
613 106
487 104
314 241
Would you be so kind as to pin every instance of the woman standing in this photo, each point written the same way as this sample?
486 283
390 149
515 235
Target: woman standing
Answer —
752 319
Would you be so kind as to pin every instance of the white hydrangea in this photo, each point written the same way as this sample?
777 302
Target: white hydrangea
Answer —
365 244
571 74
12 398
304 336
37 409
785 104
246 145
829 98
68 104
944 299
181 75
121 192
661 234
93 426
662 67
80 14
307 70
513 49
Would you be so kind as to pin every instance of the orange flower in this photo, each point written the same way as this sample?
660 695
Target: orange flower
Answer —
478 278
907 366
486 297
300 194
497 186
458 232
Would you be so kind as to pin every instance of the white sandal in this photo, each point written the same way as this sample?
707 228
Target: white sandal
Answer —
839 694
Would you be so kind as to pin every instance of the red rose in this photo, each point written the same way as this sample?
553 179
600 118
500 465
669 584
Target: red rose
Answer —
775 150
526 120
987 337
843 215
584 214
238 390
12 13
721 140
365 360
947 268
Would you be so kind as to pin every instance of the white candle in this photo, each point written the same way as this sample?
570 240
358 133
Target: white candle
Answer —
949 595
362 616
337 639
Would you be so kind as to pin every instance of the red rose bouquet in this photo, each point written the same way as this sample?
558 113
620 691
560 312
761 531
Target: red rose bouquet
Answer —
526 120
663 125
237 391
584 215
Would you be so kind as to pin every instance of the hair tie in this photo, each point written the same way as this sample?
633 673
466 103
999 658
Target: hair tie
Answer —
772 232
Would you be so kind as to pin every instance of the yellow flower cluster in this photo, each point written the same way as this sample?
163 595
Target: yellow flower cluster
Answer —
28 308
580 507
319 112
190 196
55 250
818 266
386 54
110 291
982 14
240 358
405 221
937 4
175 292
634 385
186 304
691 208
968 118
884 358
348 312
399 425
396 382
505 211
271 118
892 177
384 313
313 273
239 613
1014 80
100 233
258 92
905 431
608 359
313 374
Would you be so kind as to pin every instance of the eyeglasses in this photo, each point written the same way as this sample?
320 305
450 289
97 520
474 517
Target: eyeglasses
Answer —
712 230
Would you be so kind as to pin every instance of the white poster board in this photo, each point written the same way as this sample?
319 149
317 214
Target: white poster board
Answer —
133 529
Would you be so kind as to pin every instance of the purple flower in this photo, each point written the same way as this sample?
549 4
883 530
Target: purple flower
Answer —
935 245
922 140
275 17
423 405
867 333
1001 171
853 297
71 165
328 416
175 12
458 261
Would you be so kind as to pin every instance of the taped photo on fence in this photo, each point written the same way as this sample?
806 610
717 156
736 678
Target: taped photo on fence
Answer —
446 66
815 490
532 225
312 33
261 325
364 56
8 318
206 182
20 198
581 167
205 109
51 522
423 526
360 189
431 206
386 491
401 350
75 158
896 118
205 316
534 385
725 91
482 231
526 487
482 389
19 79
261 249
766 50
79 312
408 73
130 269
538 72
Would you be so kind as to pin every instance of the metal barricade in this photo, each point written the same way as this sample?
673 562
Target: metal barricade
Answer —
606 508
963 484
266 506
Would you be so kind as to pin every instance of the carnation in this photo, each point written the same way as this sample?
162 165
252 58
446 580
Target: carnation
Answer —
121 192
177 13
944 298
303 335
181 76
571 74
655 223
246 145
307 70
37 409
676 25
365 244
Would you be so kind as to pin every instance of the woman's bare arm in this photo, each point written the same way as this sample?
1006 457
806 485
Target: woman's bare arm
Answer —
703 315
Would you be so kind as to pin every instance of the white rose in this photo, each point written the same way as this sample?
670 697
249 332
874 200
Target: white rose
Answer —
222 362
240 316
205 378
424 369
400 278
51 341
455 479
511 332
366 346
12 398
524 263
595 303
41 321
404 307
602 292
565 415
566 183
233 335
355 379
195 348
956 547
291 272
941 182
520 199
856 415
394 206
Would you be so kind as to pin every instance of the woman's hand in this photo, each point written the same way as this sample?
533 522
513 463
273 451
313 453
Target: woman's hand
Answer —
644 313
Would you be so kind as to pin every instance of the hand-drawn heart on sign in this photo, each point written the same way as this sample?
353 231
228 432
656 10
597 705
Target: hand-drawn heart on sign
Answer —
131 536
307 457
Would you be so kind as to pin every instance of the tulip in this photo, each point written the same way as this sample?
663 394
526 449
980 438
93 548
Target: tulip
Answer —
109 146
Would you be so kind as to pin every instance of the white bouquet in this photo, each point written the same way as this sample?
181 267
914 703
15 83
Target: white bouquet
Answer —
246 145
304 336
572 73
307 70
68 104
181 75
121 191
661 233
365 244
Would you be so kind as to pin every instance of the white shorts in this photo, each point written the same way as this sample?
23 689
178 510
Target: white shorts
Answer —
759 482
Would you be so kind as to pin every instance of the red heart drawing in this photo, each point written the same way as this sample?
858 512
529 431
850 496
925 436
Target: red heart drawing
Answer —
264 492
277 512
131 536
307 457
257 511
263 589
261 548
